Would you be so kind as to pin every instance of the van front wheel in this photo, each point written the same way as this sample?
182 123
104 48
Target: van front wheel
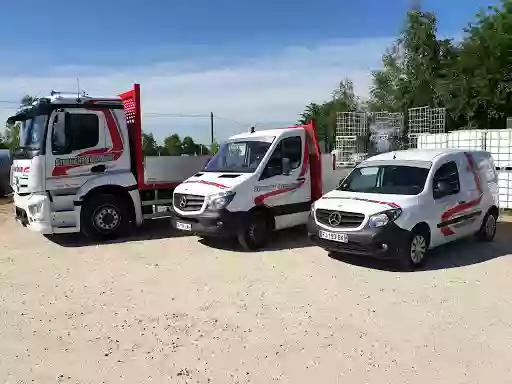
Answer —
255 233
415 250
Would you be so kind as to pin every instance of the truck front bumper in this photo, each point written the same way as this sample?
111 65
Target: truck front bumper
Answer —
385 242
222 223
33 211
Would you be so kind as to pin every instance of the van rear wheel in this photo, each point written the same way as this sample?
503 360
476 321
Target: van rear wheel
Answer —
487 230
255 234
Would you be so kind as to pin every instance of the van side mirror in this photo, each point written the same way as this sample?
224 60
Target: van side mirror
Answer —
286 166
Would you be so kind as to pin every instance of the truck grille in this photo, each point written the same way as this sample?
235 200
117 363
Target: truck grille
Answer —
339 219
185 202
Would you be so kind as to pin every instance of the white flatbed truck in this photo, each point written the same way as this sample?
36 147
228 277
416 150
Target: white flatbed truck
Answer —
80 167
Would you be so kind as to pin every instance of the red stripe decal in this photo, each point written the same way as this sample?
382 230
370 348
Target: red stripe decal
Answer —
447 231
116 150
260 200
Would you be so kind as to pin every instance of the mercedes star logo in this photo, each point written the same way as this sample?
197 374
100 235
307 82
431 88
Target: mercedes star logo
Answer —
335 219
183 202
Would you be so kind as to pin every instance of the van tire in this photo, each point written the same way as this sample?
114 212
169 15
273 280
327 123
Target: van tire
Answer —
105 217
415 250
254 235
487 230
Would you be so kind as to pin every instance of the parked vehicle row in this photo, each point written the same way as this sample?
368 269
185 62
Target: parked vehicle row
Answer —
80 168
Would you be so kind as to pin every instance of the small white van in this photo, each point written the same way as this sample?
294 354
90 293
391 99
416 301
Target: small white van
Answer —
401 204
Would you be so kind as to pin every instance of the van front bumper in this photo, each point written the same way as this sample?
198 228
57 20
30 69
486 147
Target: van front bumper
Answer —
384 242
222 223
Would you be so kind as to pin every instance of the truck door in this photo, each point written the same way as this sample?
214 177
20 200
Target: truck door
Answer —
76 147
285 183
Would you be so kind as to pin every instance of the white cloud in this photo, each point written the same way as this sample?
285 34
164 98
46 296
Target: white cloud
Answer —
265 89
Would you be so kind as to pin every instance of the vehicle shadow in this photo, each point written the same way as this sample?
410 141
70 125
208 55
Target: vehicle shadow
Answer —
457 254
290 238
150 230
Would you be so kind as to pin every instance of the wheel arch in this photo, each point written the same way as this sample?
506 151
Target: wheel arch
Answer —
122 193
267 212
424 228
494 210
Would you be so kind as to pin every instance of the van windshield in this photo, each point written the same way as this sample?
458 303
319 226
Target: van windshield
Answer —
239 156
386 179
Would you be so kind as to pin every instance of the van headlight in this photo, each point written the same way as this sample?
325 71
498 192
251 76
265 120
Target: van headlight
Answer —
220 200
381 219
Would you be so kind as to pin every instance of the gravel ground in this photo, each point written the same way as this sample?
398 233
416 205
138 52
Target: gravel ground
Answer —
162 308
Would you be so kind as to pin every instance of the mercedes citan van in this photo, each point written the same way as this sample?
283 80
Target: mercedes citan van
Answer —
398 205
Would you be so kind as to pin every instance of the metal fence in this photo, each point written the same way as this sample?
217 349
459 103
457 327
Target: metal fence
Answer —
360 135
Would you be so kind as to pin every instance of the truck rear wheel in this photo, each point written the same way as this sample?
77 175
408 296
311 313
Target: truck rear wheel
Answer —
255 234
104 217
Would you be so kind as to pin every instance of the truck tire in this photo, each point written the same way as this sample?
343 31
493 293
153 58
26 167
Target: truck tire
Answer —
105 217
255 234
487 230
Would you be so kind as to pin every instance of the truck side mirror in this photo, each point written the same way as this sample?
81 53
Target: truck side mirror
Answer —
60 137
286 166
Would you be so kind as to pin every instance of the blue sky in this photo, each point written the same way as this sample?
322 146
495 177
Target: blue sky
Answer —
254 62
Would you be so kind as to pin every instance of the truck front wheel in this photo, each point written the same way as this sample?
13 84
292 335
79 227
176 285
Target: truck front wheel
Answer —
105 217
254 235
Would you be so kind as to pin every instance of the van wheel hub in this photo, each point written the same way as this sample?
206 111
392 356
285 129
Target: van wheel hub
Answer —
418 249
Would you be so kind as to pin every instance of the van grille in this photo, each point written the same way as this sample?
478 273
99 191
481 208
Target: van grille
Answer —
345 219
189 203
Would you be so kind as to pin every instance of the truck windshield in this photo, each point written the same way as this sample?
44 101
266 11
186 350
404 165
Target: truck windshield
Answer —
32 132
386 179
239 156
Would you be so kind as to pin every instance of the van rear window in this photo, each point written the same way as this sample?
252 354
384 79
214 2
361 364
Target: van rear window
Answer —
386 179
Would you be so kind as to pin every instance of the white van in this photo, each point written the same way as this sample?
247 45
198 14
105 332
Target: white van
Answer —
257 182
401 204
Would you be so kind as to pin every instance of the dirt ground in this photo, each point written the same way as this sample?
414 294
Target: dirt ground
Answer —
163 308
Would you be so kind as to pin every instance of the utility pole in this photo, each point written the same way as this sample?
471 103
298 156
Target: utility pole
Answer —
211 127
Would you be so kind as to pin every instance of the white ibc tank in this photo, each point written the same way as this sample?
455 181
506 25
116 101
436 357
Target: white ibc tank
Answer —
432 140
470 139
498 143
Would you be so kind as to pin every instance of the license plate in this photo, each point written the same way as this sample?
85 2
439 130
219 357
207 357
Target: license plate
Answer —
183 226
333 236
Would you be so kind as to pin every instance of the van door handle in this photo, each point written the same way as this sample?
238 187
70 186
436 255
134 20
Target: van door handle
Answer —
462 202
98 168
301 179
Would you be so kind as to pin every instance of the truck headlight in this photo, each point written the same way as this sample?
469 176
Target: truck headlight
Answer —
381 219
220 200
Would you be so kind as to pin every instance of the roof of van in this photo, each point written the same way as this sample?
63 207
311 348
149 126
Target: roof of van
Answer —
417 154
263 133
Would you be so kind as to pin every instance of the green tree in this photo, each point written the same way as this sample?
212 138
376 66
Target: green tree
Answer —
12 136
412 67
478 85
173 145
3 144
149 145
203 150
215 147
189 146
343 99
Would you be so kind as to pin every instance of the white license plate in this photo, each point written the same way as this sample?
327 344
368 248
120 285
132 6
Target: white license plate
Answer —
183 226
333 236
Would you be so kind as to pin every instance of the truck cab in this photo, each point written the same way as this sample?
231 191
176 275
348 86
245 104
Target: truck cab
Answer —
257 182
80 167
400 204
